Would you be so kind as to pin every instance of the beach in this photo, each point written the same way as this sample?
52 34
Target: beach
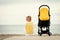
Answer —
29 37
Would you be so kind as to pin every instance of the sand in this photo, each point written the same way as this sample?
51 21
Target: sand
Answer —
31 37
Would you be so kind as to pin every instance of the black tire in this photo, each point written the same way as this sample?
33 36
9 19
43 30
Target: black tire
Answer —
40 34
49 34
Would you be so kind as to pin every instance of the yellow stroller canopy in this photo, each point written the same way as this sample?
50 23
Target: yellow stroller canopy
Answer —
44 13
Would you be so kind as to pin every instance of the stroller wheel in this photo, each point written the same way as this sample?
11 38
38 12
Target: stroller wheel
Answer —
39 31
49 34
39 34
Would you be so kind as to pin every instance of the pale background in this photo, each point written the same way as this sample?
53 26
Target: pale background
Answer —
13 15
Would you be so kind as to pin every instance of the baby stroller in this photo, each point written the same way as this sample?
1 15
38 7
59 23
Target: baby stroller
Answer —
44 20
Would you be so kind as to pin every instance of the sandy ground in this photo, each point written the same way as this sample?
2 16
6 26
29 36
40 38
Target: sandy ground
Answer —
29 37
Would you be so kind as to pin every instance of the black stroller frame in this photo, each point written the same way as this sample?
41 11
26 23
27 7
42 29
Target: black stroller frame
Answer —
43 24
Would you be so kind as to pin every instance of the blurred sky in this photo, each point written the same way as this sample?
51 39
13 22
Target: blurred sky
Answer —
14 12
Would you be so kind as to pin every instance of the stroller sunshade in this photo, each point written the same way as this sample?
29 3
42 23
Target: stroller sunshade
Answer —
44 13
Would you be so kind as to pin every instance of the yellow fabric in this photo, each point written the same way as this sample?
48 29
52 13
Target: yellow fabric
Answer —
44 14
29 28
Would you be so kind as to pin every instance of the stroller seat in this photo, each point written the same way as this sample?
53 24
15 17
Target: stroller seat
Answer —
44 20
